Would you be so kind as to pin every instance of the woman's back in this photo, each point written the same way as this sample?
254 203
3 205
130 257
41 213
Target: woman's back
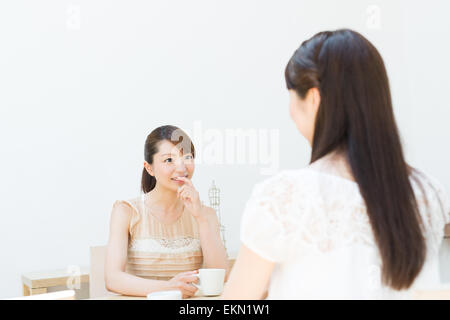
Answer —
313 222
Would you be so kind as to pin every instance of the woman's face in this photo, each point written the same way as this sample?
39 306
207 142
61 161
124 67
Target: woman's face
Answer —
303 111
168 164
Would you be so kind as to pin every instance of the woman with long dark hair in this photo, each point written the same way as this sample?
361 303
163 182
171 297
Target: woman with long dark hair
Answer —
357 222
158 241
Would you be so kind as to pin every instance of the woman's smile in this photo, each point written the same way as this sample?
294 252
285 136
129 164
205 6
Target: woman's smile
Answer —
179 181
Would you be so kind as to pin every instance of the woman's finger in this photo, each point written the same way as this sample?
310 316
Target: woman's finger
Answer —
189 272
185 192
186 274
190 289
185 293
180 189
185 188
185 195
190 278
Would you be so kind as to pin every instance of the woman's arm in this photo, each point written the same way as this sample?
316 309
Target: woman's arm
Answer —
250 277
117 280
214 253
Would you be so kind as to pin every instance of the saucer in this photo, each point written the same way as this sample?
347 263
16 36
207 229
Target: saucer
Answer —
165 295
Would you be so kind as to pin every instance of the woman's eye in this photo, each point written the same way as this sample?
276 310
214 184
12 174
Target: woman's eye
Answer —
189 157
168 160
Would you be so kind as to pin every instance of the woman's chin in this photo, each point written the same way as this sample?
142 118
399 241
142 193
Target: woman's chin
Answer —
174 185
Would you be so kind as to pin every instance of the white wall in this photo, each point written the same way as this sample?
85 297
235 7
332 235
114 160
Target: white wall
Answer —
82 83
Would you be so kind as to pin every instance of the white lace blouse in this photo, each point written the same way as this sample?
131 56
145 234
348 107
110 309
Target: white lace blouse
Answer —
314 225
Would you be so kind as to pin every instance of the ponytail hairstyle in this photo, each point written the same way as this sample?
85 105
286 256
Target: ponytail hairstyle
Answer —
169 133
355 115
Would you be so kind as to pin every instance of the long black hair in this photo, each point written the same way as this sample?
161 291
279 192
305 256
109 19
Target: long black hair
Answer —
355 115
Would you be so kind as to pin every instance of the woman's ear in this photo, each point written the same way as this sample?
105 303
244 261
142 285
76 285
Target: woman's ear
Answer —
315 99
149 169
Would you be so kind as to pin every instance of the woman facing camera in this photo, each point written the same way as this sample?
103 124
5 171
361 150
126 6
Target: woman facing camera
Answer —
358 222
158 241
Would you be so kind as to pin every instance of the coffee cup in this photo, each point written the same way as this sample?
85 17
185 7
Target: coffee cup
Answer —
210 282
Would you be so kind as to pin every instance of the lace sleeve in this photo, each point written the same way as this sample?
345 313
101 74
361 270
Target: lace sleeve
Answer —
440 196
444 202
434 206
262 226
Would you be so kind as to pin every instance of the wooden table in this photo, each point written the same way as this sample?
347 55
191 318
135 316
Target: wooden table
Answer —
39 282
121 297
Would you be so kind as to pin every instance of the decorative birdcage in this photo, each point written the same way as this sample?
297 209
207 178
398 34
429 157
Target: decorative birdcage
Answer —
214 202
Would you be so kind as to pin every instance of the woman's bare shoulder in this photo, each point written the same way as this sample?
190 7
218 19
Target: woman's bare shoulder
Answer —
126 207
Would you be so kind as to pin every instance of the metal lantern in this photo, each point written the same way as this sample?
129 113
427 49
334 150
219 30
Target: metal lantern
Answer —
214 202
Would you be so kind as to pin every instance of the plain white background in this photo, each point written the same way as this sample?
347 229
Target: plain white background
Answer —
82 83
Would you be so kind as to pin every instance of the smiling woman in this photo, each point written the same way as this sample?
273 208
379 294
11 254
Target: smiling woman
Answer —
158 241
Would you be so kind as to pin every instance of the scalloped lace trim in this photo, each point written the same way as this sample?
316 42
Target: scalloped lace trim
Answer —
158 245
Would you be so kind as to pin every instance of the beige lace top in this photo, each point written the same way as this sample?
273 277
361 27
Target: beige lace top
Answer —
158 250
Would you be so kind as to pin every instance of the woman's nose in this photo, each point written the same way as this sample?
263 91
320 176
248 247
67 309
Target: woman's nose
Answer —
180 165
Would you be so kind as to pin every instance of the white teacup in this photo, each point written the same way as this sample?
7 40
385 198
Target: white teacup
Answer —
210 282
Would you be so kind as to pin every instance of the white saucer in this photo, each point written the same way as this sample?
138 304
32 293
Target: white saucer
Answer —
165 295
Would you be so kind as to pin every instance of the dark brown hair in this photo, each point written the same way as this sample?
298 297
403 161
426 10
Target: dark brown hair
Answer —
164 133
355 115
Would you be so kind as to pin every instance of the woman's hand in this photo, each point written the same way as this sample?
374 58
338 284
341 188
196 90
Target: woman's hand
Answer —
182 282
191 199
